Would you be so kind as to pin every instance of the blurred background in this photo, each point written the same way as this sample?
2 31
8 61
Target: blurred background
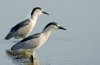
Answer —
79 45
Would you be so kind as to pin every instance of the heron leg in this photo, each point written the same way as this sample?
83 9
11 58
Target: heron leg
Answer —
32 57
28 52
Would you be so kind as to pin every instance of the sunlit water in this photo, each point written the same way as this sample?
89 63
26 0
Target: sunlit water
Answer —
79 45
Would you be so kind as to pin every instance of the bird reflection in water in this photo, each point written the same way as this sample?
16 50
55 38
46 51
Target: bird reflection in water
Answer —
22 59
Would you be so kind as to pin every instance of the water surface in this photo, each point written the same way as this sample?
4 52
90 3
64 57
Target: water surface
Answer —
79 45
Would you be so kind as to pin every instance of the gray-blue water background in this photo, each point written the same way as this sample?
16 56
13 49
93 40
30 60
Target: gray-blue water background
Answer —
79 45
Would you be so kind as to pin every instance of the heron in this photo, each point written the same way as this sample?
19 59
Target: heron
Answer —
35 41
24 28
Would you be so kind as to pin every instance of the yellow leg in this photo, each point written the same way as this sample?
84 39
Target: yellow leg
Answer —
31 58
30 54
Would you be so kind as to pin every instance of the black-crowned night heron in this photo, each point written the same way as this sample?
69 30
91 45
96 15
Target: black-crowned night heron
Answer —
22 29
35 41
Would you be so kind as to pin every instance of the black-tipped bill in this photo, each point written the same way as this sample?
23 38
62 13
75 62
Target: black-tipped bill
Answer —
61 28
45 12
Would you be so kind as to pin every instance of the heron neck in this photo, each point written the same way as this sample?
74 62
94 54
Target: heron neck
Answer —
47 32
34 16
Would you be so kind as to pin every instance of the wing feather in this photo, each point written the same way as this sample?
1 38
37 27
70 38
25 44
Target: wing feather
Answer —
26 43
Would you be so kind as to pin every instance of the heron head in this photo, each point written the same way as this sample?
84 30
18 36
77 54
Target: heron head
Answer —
38 11
54 26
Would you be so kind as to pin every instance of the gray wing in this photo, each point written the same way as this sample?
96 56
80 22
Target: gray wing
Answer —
16 28
23 44
20 25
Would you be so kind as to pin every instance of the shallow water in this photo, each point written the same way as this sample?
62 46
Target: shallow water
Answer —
79 45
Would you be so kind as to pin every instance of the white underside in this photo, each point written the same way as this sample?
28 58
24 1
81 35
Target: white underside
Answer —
26 30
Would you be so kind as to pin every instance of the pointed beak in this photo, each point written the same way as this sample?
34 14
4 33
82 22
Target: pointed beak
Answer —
61 28
45 12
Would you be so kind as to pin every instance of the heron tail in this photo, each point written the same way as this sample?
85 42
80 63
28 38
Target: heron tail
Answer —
10 35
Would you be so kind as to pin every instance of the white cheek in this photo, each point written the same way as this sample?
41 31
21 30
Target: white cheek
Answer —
55 27
39 12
